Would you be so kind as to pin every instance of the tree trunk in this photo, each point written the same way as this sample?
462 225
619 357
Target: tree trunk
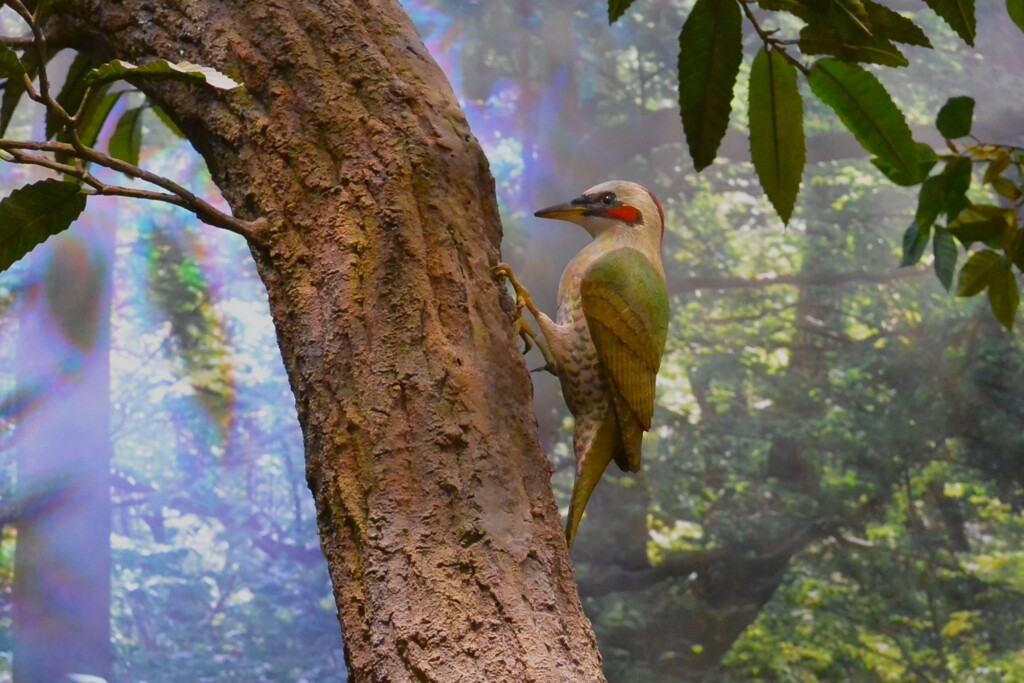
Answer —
434 505
62 556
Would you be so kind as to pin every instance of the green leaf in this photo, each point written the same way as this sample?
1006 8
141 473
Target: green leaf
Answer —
161 68
31 214
915 239
946 253
981 230
1015 8
1015 248
954 119
166 120
865 108
979 272
776 130
71 93
616 8
94 118
710 50
10 65
15 88
959 14
126 141
794 7
930 200
925 162
1004 297
894 25
858 31
817 39
958 174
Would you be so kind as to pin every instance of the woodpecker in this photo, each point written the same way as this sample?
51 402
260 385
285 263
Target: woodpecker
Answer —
606 343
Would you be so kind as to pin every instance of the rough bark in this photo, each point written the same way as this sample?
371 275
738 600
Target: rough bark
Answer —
434 505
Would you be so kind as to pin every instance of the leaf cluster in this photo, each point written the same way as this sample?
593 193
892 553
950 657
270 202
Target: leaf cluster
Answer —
836 39
75 117
989 233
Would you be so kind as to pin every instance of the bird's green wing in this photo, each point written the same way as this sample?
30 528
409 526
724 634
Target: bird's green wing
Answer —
625 304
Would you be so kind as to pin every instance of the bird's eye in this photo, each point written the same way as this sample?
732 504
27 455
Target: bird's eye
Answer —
608 198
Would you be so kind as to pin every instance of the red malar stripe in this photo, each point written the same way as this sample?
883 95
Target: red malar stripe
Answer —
625 213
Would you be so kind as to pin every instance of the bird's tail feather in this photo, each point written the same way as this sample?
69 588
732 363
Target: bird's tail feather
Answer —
606 446
631 435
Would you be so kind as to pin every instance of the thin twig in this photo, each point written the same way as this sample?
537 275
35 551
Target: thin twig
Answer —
17 151
177 194
18 42
43 96
770 42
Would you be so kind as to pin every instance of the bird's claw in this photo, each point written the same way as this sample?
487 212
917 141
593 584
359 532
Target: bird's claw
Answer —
504 271
522 328
548 367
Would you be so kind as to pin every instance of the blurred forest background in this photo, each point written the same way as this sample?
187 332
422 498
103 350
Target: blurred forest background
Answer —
834 490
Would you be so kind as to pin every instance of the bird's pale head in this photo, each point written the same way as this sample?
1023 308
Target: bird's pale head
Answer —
614 205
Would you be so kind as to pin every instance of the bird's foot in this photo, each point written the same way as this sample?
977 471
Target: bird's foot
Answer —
547 367
522 328
523 299
524 331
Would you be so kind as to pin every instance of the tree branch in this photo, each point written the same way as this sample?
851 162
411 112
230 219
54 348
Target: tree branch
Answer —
176 194
15 150
17 42
43 96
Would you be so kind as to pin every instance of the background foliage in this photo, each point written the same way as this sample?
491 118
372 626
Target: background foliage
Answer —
834 489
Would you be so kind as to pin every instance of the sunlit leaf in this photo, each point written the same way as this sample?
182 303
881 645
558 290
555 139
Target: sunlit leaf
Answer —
946 253
1015 8
710 50
959 14
980 223
31 214
954 119
998 165
616 8
161 68
866 109
1004 297
979 271
126 141
983 152
1006 188
776 130
915 239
